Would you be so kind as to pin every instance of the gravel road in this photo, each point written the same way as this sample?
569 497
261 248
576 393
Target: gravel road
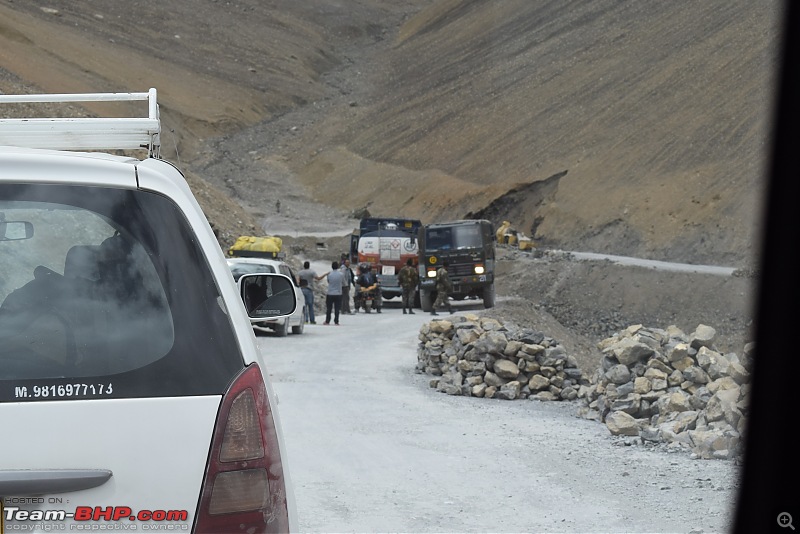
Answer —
373 449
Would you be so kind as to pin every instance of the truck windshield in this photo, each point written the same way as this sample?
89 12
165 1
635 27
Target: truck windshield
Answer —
453 238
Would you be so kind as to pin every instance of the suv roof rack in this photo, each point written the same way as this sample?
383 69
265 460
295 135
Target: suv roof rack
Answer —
84 133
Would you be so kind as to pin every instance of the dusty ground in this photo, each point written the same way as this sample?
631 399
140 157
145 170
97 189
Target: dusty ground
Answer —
635 129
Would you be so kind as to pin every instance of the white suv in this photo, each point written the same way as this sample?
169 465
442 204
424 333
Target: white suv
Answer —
132 391
248 265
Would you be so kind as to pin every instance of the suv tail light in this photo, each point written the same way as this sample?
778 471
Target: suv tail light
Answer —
243 488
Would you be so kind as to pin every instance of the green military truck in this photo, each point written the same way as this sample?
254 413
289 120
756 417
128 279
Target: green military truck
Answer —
468 246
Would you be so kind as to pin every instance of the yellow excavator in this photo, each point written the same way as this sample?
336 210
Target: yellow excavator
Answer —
508 235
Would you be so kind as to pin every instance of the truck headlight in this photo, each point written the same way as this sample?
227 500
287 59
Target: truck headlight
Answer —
431 274
479 269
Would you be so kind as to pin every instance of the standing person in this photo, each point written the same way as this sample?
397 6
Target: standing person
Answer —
377 301
333 299
358 298
443 289
308 275
409 278
308 295
349 280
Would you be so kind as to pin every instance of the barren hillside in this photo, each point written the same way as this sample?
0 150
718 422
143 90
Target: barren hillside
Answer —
628 128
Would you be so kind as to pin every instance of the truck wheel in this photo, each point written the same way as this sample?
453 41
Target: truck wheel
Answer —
425 300
488 296
417 303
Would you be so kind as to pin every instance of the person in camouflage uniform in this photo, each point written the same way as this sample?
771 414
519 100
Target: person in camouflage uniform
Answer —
409 279
443 289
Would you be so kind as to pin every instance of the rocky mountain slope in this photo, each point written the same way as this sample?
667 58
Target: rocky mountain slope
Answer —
629 128
625 128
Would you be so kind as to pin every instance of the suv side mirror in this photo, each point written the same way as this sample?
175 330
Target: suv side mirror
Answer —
267 295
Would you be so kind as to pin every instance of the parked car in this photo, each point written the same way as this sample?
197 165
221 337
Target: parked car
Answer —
281 326
132 391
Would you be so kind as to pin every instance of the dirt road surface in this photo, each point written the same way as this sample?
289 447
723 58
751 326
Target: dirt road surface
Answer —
372 448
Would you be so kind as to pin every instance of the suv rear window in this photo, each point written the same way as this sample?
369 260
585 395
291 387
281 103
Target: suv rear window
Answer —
109 297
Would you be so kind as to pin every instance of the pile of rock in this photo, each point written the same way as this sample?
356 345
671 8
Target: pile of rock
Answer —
480 357
666 387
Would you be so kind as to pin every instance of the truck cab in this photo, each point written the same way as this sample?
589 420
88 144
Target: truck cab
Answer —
468 246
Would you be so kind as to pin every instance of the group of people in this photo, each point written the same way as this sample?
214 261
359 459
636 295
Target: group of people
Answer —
365 286
338 285
341 280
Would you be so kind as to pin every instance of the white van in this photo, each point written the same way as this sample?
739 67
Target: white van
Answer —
132 392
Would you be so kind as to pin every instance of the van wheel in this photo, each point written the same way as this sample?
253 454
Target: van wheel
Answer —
299 328
283 328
